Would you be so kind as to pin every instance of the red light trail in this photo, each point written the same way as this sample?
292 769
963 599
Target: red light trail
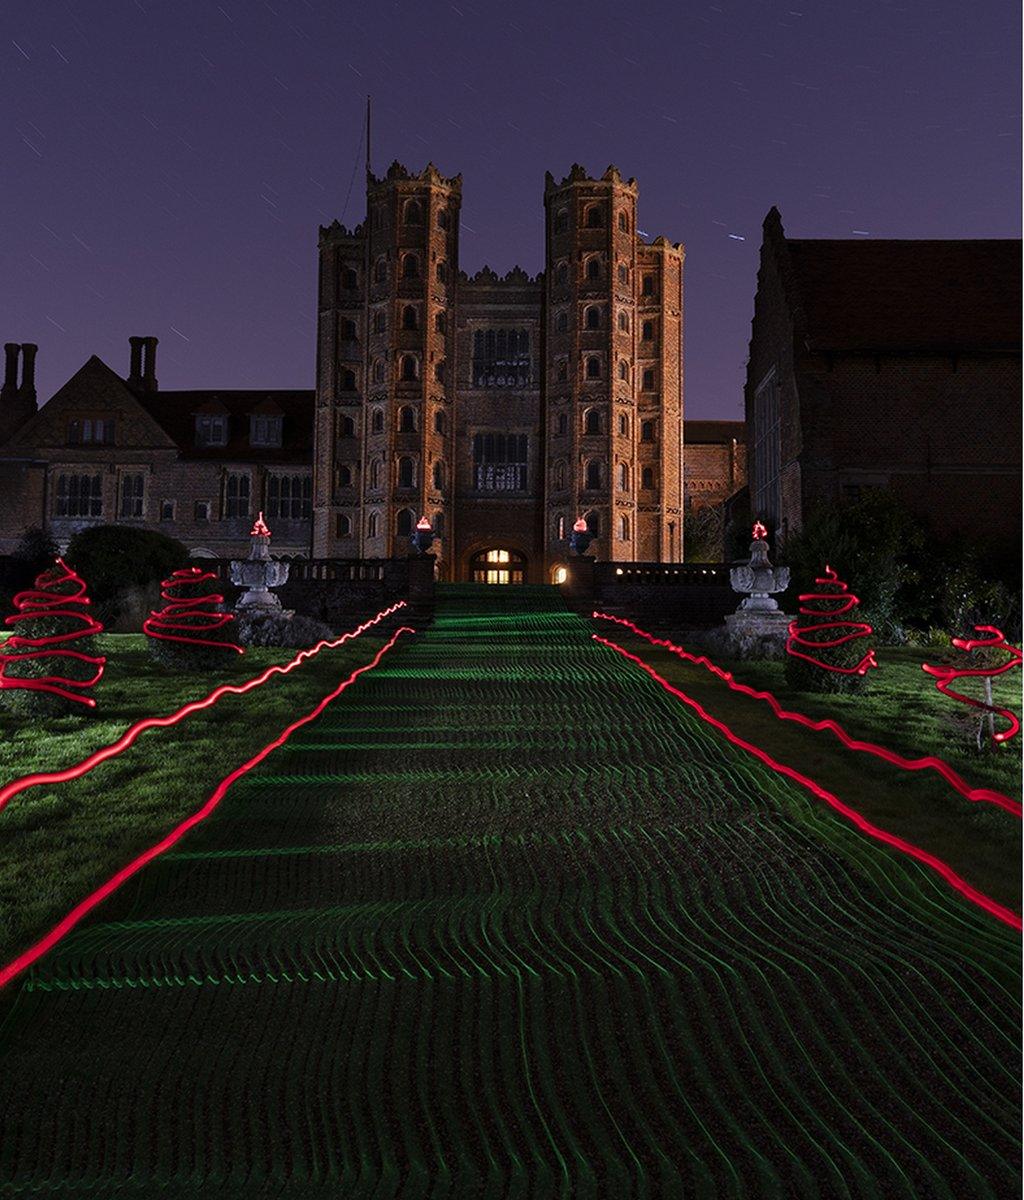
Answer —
9 790
943 768
84 907
858 629
993 907
188 614
946 675
43 601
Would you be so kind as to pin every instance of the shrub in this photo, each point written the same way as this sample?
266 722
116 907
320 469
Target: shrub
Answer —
192 632
703 534
119 559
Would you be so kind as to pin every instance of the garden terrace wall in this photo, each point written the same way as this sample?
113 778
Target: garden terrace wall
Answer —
674 594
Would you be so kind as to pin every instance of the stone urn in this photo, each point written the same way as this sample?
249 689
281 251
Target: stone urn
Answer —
259 573
757 629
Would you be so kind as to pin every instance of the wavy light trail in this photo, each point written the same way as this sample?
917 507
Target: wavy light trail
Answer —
197 617
930 762
84 907
859 629
9 790
944 675
993 907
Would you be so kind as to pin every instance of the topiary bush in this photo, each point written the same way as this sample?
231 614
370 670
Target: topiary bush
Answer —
192 632
118 560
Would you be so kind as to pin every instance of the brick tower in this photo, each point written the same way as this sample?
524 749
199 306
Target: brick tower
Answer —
613 377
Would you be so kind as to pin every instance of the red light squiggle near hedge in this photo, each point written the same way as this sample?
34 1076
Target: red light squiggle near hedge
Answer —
201 620
43 601
986 795
993 907
84 907
945 675
858 629
10 790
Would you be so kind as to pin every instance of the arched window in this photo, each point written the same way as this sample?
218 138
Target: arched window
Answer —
560 476
623 477
593 367
406 472
380 321
344 476
443 220
593 268
647 334
594 472
409 368
563 424
593 521
413 213
410 266
623 425
561 220
647 383
560 529
562 274
346 426
378 371
348 381
439 371
441 321
441 271
377 421
592 317
623 222
623 273
595 217
592 421
647 431
406 419
380 271
623 321
348 331
647 287
647 477
623 370
343 525
375 468
409 318
439 421
403 524
372 525
624 528
349 278
561 322
439 475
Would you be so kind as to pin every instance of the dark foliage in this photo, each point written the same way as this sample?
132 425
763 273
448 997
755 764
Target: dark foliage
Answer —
118 558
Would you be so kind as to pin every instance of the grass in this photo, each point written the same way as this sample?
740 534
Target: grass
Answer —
60 842
902 711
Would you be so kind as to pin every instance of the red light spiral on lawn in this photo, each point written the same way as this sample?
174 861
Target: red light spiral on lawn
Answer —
944 676
189 615
857 629
46 600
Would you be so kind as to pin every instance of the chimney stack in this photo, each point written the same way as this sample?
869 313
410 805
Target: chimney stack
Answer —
135 370
27 391
149 365
10 386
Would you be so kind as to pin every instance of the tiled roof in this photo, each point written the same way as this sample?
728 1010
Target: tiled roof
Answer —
175 413
881 295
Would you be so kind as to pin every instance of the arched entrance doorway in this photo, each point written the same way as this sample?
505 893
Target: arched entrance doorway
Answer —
498 566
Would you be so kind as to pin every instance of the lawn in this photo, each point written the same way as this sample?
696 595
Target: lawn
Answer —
902 711
59 842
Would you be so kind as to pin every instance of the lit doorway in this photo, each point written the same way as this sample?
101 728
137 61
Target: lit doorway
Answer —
498 566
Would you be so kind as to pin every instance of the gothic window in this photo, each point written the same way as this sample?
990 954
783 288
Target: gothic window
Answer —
380 321
623 370
346 426
766 491
439 421
372 525
592 421
593 367
380 271
648 331
131 495
344 476
648 379
624 528
441 322
647 477
623 222
623 477
647 288
377 421
403 523
413 213
406 472
592 317
593 268
375 467
623 321
409 318
501 358
563 424
378 371
348 331
443 220
561 322
439 475
343 525
560 529
441 271
562 274
595 217
623 425
349 278
348 380
439 371
409 365
406 419
560 476
561 220
236 497
500 462
593 521
593 477
623 273
648 431
410 266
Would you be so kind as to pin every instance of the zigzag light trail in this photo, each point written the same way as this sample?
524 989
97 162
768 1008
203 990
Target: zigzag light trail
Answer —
545 933
38 779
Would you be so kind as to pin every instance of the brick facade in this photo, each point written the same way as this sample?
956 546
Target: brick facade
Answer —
716 462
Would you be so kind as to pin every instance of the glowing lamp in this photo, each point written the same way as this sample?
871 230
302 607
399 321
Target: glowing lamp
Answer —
579 526
759 531
259 529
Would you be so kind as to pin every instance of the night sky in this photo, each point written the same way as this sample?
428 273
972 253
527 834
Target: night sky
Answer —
166 163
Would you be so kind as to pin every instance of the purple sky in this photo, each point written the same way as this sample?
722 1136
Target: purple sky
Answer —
166 162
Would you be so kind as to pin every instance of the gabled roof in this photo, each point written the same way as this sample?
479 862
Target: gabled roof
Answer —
717 433
175 413
888 295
